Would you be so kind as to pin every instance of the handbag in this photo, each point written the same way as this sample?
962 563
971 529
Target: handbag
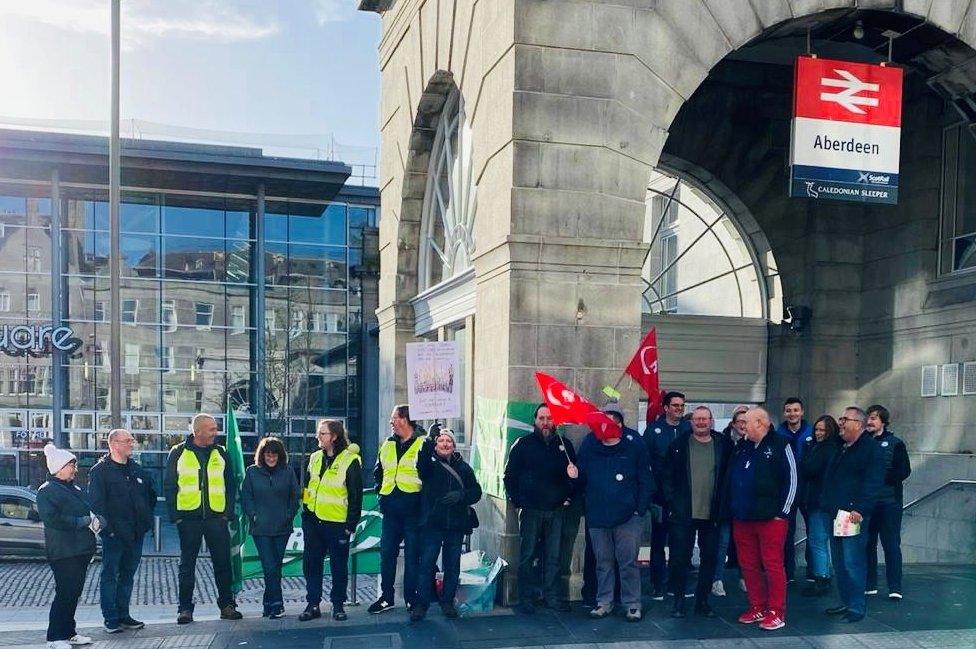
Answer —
473 521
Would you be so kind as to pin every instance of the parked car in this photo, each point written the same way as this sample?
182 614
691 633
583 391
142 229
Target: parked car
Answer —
21 530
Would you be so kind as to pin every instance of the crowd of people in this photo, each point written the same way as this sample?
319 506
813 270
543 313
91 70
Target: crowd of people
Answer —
735 494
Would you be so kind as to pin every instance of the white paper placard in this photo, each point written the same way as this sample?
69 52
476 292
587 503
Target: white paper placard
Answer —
433 380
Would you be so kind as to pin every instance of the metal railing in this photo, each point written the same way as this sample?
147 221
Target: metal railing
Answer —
924 497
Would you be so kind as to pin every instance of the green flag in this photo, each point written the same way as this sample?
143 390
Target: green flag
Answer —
238 522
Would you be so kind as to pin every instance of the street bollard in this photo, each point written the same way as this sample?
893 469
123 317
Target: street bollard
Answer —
354 581
157 539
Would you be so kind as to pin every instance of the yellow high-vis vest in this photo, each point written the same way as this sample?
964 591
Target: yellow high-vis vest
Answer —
189 480
401 474
326 495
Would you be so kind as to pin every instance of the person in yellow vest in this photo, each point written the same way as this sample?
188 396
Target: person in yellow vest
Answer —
331 506
200 493
399 490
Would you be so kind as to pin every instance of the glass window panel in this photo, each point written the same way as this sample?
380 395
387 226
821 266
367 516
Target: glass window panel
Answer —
193 258
317 266
13 288
188 391
140 390
310 223
965 252
140 255
966 188
193 221
101 215
13 209
139 213
276 263
81 299
237 264
13 248
78 213
238 219
275 221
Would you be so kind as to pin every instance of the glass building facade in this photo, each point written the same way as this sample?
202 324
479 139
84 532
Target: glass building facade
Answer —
192 322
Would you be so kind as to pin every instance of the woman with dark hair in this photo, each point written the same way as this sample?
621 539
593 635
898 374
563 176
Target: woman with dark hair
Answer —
815 460
332 506
270 496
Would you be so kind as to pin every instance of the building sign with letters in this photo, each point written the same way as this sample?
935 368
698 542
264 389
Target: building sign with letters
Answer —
37 340
846 131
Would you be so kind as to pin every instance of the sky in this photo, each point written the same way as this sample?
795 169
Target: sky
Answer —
293 75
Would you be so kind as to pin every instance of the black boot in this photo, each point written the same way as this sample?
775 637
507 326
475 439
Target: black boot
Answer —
678 610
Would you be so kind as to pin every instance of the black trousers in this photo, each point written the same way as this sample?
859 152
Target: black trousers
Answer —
217 534
681 536
69 580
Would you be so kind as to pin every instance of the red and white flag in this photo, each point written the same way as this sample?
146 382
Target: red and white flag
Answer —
643 369
567 407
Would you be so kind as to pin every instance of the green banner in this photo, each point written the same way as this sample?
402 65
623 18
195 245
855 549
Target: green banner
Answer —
364 556
497 424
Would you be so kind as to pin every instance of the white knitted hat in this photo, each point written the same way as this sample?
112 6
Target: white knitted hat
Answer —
57 458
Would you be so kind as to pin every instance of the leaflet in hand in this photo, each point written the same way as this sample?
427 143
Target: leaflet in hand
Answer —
843 526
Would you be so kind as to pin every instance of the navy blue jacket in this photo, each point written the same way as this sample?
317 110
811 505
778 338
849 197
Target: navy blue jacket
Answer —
658 437
853 478
763 480
616 481
897 466
799 439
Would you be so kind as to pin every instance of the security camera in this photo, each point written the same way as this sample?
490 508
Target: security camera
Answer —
797 317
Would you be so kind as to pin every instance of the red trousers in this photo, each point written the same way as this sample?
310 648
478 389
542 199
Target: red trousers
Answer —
759 545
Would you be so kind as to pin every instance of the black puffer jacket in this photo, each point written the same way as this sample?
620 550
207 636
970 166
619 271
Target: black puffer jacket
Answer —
438 482
816 458
535 476
124 495
65 512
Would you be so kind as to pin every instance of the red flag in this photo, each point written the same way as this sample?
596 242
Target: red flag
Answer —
643 369
567 407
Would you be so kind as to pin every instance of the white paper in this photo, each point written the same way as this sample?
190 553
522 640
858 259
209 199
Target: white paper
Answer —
843 526
434 380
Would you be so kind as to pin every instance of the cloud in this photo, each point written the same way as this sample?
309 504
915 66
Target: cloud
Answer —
327 11
142 20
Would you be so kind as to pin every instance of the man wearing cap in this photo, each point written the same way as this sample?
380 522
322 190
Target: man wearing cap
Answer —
200 491
121 491
537 482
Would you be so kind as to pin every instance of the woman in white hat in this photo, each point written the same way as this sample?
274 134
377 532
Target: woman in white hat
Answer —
69 539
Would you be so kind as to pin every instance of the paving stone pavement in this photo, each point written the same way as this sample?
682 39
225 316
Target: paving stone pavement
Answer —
31 583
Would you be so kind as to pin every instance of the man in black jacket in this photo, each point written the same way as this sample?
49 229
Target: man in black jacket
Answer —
886 517
693 481
537 482
122 492
851 484
200 491
658 436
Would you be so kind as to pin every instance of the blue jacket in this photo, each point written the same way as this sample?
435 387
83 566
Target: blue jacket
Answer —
658 437
799 439
616 481
762 479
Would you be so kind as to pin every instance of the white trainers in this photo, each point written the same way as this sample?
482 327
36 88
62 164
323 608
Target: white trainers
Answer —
894 595
718 588
871 591
79 640
742 585
58 644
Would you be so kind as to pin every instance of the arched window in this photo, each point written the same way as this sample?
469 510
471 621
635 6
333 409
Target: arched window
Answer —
701 260
447 227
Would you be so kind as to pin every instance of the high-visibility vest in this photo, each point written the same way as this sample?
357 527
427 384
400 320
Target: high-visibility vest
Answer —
401 473
189 478
326 495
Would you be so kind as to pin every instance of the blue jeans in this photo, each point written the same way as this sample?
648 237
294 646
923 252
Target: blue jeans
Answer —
724 534
850 563
400 516
120 560
432 540
818 540
886 523
271 551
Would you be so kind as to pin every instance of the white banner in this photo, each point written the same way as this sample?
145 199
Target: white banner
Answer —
845 145
433 380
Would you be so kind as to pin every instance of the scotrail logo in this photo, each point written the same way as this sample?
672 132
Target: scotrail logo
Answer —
811 192
873 179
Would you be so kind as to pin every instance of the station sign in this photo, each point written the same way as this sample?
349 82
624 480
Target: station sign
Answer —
37 340
846 132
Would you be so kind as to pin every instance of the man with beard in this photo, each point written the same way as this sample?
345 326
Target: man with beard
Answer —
537 481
